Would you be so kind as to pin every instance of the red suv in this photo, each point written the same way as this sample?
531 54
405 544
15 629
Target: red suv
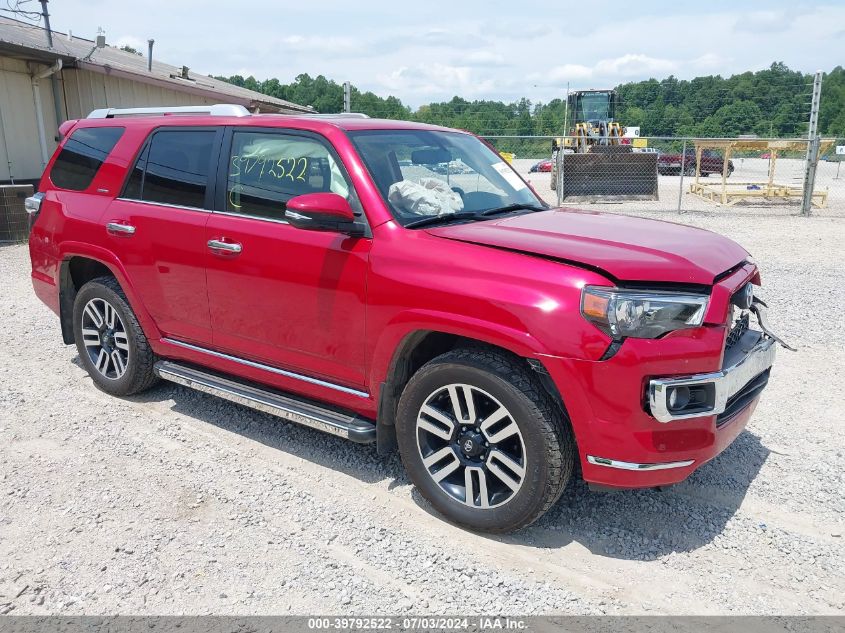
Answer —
712 162
327 270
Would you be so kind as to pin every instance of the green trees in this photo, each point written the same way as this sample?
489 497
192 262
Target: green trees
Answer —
771 102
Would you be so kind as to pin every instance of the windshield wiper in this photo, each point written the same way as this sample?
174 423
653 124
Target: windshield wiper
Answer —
518 206
442 219
472 215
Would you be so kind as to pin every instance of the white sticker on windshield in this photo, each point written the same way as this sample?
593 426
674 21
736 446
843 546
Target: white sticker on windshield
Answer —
508 174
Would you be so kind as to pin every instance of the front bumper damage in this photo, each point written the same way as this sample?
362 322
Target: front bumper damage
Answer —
672 399
630 429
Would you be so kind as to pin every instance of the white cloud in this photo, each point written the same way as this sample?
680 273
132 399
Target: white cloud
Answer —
710 62
484 58
634 65
435 78
139 44
567 72
311 44
628 65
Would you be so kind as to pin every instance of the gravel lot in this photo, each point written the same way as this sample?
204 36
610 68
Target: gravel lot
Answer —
176 502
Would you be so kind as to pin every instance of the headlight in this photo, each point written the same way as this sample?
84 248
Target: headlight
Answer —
641 314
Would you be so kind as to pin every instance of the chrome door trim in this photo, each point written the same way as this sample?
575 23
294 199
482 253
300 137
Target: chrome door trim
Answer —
249 216
152 203
274 370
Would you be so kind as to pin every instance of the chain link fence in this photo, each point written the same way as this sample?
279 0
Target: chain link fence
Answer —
763 176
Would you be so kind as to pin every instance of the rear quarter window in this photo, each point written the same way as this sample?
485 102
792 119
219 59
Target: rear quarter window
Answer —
82 156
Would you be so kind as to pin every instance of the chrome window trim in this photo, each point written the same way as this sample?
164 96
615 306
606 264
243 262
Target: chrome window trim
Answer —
250 216
274 370
165 204
614 463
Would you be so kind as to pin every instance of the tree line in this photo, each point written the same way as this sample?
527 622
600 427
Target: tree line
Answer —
774 102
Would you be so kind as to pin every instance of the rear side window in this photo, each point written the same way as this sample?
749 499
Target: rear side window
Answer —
173 168
82 156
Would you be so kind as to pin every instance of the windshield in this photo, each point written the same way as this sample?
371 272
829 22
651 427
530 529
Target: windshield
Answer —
593 106
423 173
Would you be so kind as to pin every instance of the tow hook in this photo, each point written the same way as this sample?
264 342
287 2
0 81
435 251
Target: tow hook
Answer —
757 307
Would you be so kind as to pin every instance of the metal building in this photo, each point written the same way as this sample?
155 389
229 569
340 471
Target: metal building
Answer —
42 85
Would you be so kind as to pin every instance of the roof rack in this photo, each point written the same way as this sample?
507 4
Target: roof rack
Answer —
339 115
218 109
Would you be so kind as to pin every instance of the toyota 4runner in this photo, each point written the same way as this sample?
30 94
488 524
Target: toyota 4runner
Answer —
336 272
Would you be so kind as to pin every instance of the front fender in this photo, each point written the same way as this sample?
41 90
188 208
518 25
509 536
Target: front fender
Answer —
389 342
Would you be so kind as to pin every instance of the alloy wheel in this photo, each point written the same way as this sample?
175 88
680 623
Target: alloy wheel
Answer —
471 446
105 338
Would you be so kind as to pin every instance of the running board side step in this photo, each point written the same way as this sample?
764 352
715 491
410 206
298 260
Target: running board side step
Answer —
290 408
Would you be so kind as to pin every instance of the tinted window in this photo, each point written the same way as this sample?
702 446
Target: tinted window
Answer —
82 155
136 180
266 170
174 168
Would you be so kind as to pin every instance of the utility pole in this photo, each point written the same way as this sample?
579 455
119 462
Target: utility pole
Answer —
54 82
347 96
45 14
812 147
566 111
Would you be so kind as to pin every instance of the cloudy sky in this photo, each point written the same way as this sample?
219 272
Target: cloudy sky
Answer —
432 50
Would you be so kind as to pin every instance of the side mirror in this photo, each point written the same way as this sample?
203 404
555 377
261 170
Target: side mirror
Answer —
322 212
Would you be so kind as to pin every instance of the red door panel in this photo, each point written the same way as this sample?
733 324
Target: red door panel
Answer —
165 261
291 298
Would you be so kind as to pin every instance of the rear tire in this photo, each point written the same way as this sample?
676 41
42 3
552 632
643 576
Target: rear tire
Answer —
110 341
499 464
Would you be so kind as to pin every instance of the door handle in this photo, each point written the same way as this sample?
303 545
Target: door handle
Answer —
119 228
229 247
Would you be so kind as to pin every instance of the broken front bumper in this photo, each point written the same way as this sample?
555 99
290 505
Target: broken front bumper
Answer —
672 399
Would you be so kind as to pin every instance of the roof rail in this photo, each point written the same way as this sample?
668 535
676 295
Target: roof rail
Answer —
218 109
338 115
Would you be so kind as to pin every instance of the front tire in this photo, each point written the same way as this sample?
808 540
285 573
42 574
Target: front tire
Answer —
110 341
483 441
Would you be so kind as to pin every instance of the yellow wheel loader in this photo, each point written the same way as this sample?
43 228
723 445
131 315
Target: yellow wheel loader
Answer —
596 159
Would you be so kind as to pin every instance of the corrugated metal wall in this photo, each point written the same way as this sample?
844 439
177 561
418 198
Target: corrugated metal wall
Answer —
86 91
83 91
20 152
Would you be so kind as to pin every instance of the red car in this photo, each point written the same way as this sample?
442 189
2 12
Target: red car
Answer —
711 163
291 264
543 165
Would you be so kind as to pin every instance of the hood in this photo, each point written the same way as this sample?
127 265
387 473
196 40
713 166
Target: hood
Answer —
625 247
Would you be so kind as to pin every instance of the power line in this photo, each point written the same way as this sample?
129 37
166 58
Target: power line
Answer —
32 16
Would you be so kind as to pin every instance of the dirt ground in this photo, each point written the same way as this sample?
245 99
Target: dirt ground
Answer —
175 502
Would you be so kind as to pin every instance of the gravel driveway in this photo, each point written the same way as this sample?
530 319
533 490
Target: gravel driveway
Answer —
176 502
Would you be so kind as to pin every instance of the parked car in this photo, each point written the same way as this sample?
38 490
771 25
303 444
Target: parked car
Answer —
711 163
543 165
284 263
